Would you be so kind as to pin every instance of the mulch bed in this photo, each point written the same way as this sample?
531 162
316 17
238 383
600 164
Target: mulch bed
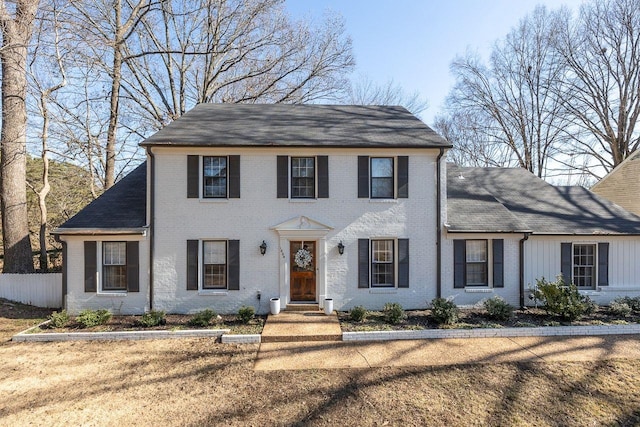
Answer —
477 318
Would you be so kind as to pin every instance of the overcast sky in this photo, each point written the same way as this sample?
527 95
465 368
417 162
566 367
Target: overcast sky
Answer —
414 41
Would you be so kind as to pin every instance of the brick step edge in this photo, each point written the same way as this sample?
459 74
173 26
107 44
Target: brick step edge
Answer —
300 338
543 331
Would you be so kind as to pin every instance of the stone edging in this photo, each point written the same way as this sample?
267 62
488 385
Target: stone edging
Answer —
241 339
543 331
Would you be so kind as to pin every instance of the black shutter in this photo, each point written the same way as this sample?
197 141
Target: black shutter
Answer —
363 263
323 176
565 261
133 267
498 263
283 177
363 177
403 263
233 171
192 265
459 263
603 264
403 177
233 265
90 266
193 175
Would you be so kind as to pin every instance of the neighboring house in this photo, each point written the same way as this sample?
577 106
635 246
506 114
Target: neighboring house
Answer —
506 228
307 202
622 185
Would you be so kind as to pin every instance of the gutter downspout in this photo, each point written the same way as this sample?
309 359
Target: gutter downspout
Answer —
525 237
439 225
152 179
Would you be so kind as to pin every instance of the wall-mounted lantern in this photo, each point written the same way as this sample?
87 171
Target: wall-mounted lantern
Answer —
340 248
263 248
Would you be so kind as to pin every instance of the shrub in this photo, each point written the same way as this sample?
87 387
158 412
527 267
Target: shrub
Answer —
152 318
562 299
497 308
59 320
443 311
246 313
89 318
202 318
393 313
632 302
619 307
358 313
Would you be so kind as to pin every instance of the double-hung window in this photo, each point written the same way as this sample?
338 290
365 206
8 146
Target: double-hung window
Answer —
214 177
214 268
114 266
477 263
382 263
303 178
584 265
382 178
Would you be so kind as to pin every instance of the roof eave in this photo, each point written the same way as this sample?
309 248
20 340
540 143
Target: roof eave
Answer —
314 145
100 231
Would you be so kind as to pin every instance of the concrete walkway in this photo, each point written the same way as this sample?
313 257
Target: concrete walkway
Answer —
331 355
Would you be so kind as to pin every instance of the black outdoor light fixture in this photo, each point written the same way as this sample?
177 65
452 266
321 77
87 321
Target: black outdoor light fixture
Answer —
263 248
340 248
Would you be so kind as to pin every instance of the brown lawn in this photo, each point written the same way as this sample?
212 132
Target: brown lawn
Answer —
197 382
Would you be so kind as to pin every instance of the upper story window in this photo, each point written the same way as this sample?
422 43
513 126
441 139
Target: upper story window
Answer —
114 266
214 177
303 178
382 178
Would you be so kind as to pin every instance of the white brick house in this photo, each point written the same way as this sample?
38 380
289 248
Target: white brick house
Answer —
300 202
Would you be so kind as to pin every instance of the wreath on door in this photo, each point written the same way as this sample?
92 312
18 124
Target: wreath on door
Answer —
303 258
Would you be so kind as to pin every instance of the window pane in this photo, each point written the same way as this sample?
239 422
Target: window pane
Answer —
215 277
382 188
382 275
215 166
114 253
382 168
476 250
215 187
115 277
382 263
303 176
214 252
476 274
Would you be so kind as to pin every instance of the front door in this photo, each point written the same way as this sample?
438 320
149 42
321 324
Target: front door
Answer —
303 271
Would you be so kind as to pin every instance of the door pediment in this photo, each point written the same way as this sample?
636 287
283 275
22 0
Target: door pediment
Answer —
302 226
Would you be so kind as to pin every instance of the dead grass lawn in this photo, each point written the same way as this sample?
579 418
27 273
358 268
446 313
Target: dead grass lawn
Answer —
197 382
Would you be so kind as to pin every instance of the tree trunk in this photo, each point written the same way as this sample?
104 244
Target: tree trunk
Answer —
15 237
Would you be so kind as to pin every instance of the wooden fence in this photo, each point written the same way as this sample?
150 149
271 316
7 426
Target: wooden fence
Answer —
41 290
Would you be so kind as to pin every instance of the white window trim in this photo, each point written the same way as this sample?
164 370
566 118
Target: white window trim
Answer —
315 180
394 198
489 286
201 289
382 289
99 282
201 197
595 286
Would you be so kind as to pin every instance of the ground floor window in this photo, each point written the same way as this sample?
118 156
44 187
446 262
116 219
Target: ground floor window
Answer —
214 264
382 263
114 266
584 267
477 263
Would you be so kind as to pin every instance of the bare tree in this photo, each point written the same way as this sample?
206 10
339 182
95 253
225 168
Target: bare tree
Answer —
363 91
16 26
513 96
601 52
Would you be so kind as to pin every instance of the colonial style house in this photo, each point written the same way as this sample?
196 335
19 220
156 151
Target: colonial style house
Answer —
237 204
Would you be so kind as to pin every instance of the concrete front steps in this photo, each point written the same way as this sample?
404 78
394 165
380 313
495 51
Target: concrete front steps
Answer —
300 323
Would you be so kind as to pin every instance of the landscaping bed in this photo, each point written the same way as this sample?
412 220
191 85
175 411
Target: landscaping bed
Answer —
478 318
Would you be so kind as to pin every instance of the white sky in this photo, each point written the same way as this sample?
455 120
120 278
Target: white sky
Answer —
414 41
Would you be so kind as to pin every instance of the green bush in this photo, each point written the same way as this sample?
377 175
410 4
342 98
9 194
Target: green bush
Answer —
562 299
358 313
632 302
152 318
89 318
59 320
619 307
444 312
393 313
245 314
497 308
202 318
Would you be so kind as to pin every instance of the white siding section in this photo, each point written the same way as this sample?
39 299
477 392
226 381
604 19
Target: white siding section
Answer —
542 259
118 303
250 218
475 295
41 290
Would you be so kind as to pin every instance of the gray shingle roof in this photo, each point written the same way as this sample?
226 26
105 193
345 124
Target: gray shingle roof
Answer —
297 125
514 200
123 206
